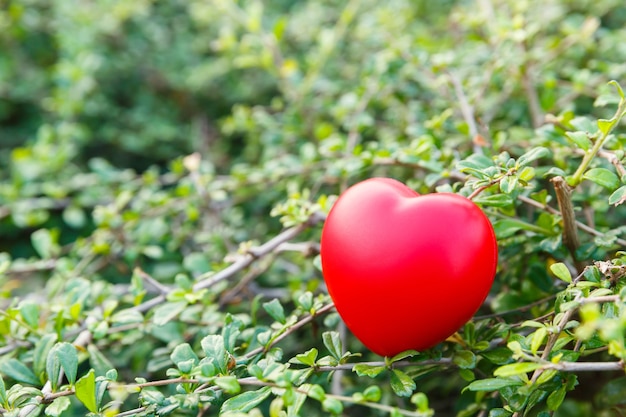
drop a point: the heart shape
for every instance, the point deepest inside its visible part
(405, 270)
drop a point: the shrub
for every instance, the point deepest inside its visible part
(168, 166)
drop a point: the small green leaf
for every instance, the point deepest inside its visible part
(3, 392)
(86, 391)
(401, 383)
(605, 125)
(367, 370)
(372, 394)
(68, 358)
(508, 184)
(182, 353)
(229, 384)
(561, 271)
(517, 368)
(618, 196)
(332, 405)
(57, 406)
(166, 312)
(40, 353)
(556, 398)
(617, 87)
(603, 177)
(537, 340)
(307, 358)
(580, 139)
(245, 402)
(275, 310)
(495, 200)
(403, 355)
(213, 347)
(465, 359)
(45, 243)
(100, 364)
(421, 401)
(53, 368)
(18, 371)
(493, 384)
(30, 313)
(332, 341)
(533, 155)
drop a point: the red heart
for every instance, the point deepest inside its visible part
(406, 271)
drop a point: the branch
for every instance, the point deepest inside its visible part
(580, 225)
(210, 279)
(570, 237)
(291, 329)
(586, 366)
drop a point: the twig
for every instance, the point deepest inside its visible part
(296, 326)
(580, 225)
(586, 366)
(209, 279)
(516, 310)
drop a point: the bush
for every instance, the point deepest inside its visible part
(167, 167)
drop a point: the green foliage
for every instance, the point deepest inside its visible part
(165, 168)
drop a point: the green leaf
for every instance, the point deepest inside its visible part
(213, 347)
(68, 358)
(401, 383)
(308, 357)
(495, 200)
(41, 352)
(100, 364)
(332, 341)
(556, 398)
(498, 356)
(166, 312)
(561, 271)
(372, 393)
(332, 405)
(85, 389)
(246, 401)
(275, 310)
(53, 368)
(403, 355)
(44, 242)
(617, 87)
(3, 392)
(465, 359)
(57, 406)
(18, 371)
(603, 177)
(517, 368)
(30, 313)
(580, 139)
(421, 401)
(537, 340)
(618, 196)
(367, 370)
(605, 125)
(493, 384)
(533, 155)
(183, 353)
(229, 384)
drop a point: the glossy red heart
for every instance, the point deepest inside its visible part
(406, 270)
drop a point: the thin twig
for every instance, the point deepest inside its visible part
(210, 279)
(306, 320)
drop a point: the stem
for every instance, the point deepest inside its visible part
(578, 175)
(570, 238)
